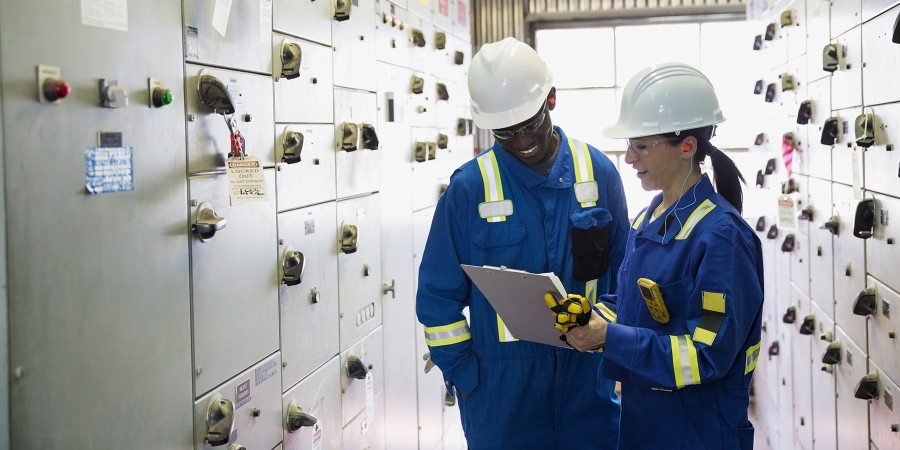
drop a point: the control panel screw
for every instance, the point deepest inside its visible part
(191, 117)
(284, 364)
(255, 412)
(199, 371)
(20, 373)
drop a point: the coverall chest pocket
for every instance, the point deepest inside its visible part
(498, 234)
(590, 243)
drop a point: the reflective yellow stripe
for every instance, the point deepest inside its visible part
(590, 291)
(752, 358)
(713, 316)
(694, 219)
(447, 334)
(584, 168)
(684, 361)
(493, 185)
(609, 314)
(637, 222)
(504, 334)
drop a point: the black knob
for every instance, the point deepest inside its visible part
(832, 354)
(866, 302)
(804, 114)
(790, 316)
(864, 223)
(761, 223)
(830, 131)
(760, 179)
(867, 388)
(774, 349)
(773, 232)
(788, 245)
(297, 419)
(806, 214)
(809, 325)
(833, 225)
(355, 368)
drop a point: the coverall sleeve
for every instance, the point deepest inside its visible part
(442, 294)
(728, 287)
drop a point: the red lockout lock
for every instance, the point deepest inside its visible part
(55, 89)
(237, 144)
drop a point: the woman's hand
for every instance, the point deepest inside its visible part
(588, 337)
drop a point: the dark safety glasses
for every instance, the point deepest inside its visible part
(528, 129)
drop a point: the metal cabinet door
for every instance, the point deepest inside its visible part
(354, 48)
(801, 140)
(772, 368)
(98, 286)
(782, 276)
(819, 156)
(882, 165)
(393, 96)
(797, 69)
(441, 11)
(460, 72)
(256, 396)
(370, 351)
(365, 432)
(884, 417)
(425, 174)
(882, 252)
(852, 413)
(462, 20)
(445, 110)
(421, 107)
(845, 14)
(821, 248)
(823, 389)
(883, 326)
(391, 41)
(881, 59)
(801, 366)
(849, 266)
(309, 310)
(775, 51)
(421, 8)
(359, 273)
(209, 140)
(785, 361)
(307, 19)
(769, 270)
(240, 41)
(818, 31)
(872, 8)
(357, 172)
(311, 180)
(234, 284)
(845, 150)
(442, 65)
(319, 395)
(846, 82)
(421, 59)
(800, 275)
(430, 386)
(801, 200)
(309, 97)
(796, 33)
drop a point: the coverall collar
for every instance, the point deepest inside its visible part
(562, 168)
(675, 219)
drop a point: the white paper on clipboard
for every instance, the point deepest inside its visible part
(519, 299)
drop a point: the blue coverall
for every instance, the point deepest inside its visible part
(685, 384)
(520, 395)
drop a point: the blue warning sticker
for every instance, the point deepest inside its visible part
(108, 169)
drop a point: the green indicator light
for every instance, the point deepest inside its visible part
(167, 97)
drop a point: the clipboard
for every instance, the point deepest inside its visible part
(518, 297)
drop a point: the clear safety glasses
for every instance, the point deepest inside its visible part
(528, 129)
(643, 147)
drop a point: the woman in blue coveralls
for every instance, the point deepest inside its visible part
(685, 368)
(539, 201)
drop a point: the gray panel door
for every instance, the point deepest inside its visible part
(359, 272)
(801, 365)
(240, 41)
(821, 249)
(234, 284)
(110, 325)
(308, 19)
(318, 395)
(255, 395)
(354, 47)
(357, 171)
(310, 180)
(849, 266)
(852, 413)
(309, 310)
(823, 390)
(309, 97)
(368, 351)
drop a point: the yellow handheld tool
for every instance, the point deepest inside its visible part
(654, 300)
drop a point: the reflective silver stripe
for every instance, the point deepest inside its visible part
(446, 334)
(694, 219)
(687, 371)
(752, 357)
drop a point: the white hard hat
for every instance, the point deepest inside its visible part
(666, 98)
(508, 84)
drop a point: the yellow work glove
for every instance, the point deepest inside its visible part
(569, 312)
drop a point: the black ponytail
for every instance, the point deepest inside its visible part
(726, 175)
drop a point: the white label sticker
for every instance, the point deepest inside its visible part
(220, 16)
(857, 176)
(192, 43)
(265, 21)
(112, 14)
(370, 399)
(317, 436)
(246, 180)
(787, 215)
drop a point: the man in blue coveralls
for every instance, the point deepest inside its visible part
(538, 201)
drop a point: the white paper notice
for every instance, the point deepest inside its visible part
(220, 16)
(265, 21)
(112, 14)
(317, 436)
(246, 180)
(857, 176)
(370, 399)
(787, 214)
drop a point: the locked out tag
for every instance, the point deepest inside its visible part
(370, 399)
(246, 180)
(317, 436)
(857, 176)
(787, 213)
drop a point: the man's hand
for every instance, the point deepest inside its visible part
(569, 312)
(589, 337)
